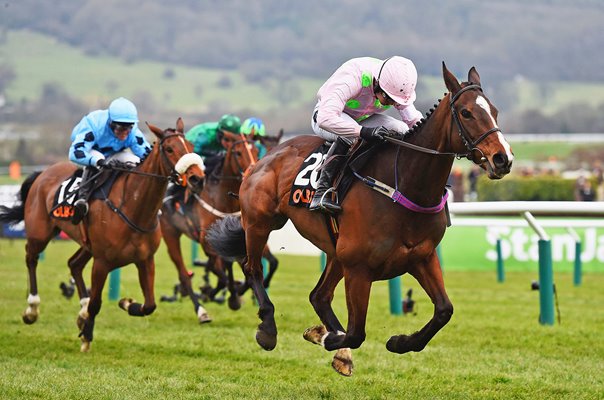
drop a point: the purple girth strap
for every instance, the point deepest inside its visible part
(398, 197)
(405, 202)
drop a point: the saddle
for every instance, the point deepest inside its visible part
(65, 196)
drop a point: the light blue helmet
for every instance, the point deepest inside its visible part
(122, 110)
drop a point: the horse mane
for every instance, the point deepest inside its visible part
(420, 124)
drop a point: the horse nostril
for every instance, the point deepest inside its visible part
(195, 181)
(500, 160)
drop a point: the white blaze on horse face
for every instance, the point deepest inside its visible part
(483, 103)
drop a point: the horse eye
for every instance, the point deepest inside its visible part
(466, 114)
(169, 150)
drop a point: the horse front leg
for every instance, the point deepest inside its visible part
(266, 334)
(172, 240)
(273, 263)
(357, 287)
(146, 279)
(321, 298)
(88, 313)
(429, 275)
(234, 300)
(76, 264)
(33, 248)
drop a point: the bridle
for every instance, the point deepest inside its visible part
(465, 137)
(240, 170)
(469, 143)
(174, 177)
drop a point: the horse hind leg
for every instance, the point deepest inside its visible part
(266, 334)
(33, 248)
(429, 276)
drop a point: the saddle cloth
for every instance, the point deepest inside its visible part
(307, 179)
(65, 196)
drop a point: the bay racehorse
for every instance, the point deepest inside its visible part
(393, 218)
(217, 200)
(120, 230)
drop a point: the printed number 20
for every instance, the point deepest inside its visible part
(310, 173)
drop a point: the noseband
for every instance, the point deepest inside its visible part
(174, 176)
(465, 137)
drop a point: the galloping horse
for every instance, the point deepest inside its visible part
(120, 230)
(214, 202)
(378, 238)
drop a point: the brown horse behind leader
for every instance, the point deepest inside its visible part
(378, 238)
(214, 202)
(121, 230)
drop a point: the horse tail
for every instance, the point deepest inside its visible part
(227, 237)
(15, 214)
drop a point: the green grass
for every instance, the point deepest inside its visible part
(492, 348)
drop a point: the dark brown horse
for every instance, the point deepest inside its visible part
(215, 202)
(121, 230)
(378, 238)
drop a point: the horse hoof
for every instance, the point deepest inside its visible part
(315, 334)
(401, 344)
(29, 319)
(85, 347)
(204, 318)
(125, 303)
(265, 340)
(342, 362)
(234, 303)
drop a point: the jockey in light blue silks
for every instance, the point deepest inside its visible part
(102, 136)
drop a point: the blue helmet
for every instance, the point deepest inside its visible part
(253, 126)
(122, 110)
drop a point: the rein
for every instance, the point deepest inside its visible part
(465, 137)
(173, 177)
(213, 210)
(395, 194)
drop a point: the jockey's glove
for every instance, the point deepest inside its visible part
(373, 134)
(102, 163)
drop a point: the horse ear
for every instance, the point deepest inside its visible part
(158, 132)
(180, 126)
(450, 80)
(473, 76)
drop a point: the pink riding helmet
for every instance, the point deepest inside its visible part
(397, 76)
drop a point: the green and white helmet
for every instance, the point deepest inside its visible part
(253, 126)
(230, 123)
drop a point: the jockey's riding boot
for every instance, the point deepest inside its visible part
(80, 207)
(335, 158)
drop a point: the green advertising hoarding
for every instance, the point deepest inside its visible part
(475, 248)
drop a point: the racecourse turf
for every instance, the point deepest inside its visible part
(493, 348)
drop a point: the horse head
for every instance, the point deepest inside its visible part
(475, 119)
(241, 153)
(270, 141)
(178, 159)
